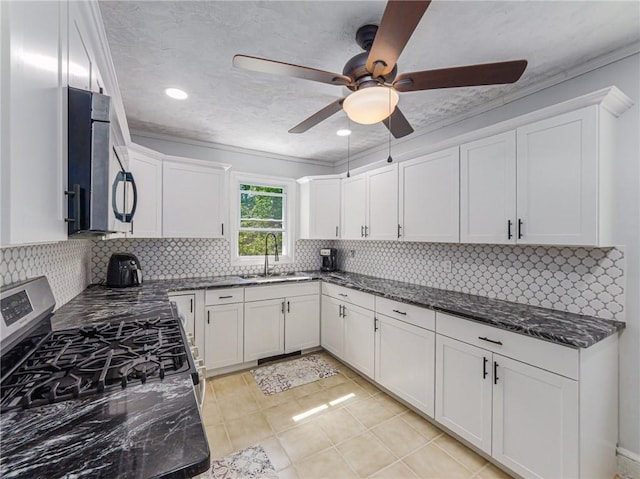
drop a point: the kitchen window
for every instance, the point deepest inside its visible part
(262, 206)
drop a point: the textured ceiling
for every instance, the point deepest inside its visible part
(190, 45)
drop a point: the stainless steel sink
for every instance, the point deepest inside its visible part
(277, 277)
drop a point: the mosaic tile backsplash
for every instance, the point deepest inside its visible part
(172, 258)
(66, 265)
(586, 281)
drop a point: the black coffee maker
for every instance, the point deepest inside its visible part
(329, 262)
(124, 271)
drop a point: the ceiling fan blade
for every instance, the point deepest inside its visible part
(399, 126)
(398, 22)
(287, 69)
(317, 117)
(472, 75)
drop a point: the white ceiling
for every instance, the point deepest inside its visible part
(190, 45)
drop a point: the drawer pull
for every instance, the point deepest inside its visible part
(225, 297)
(484, 367)
(484, 338)
(191, 305)
(340, 310)
(400, 312)
(495, 372)
(342, 294)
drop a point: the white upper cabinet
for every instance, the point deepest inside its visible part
(147, 172)
(320, 208)
(557, 180)
(33, 122)
(429, 197)
(354, 207)
(488, 190)
(192, 199)
(370, 204)
(382, 196)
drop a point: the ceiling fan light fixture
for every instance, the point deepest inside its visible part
(370, 105)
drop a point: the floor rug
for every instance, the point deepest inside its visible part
(249, 463)
(289, 374)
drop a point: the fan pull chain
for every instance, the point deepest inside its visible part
(389, 159)
(348, 147)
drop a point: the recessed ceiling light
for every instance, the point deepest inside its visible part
(343, 132)
(176, 93)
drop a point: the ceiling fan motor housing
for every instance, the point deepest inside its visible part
(356, 67)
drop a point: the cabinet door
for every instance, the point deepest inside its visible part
(405, 362)
(224, 335)
(332, 327)
(186, 308)
(263, 329)
(557, 179)
(192, 201)
(382, 198)
(463, 390)
(147, 172)
(429, 197)
(33, 126)
(79, 62)
(302, 323)
(354, 207)
(359, 338)
(488, 190)
(535, 420)
(324, 214)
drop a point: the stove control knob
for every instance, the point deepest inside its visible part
(194, 352)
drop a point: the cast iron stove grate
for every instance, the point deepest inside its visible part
(90, 360)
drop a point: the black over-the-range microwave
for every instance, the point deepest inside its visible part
(102, 195)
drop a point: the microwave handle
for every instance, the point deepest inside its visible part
(126, 177)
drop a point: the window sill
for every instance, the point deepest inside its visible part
(259, 261)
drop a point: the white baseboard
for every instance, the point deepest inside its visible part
(628, 464)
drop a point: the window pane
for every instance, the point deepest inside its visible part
(255, 206)
(268, 189)
(268, 224)
(252, 243)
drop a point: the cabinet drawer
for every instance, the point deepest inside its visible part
(543, 354)
(224, 296)
(282, 290)
(421, 317)
(364, 300)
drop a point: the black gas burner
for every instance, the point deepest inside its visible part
(89, 360)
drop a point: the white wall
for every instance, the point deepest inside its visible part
(625, 74)
(249, 161)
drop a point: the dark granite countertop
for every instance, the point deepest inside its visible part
(150, 300)
(149, 430)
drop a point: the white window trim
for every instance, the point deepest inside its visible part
(291, 211)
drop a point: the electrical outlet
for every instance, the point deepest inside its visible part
(446, 266)
(352, 253)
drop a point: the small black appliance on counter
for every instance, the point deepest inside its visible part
(124, 270)
(329, 261)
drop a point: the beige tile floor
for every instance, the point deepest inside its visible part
(356, 431)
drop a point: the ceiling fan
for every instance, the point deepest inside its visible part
(372, 75)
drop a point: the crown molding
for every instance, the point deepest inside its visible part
(233, 149)
(613, 104)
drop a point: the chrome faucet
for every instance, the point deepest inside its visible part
(266, 252)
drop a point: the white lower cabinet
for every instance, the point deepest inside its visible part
(302, 323)
(332, 326)
(404, 364)
(535, 420)
(359, 338)
(540, 409)
(280, 318)
(186, 308)
(224, 333)
(464, 390)
(264, 329)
